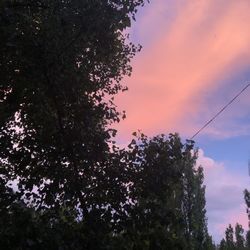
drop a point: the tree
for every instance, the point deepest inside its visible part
(155, 219)
(239, 236)
(247, 199)
(222, 245)
(229, 233)
(248, 239)
(160, 168)
(242, 242)
(60, 63)
(194, 208)
(209, 244)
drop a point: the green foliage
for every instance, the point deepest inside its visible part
(159, 172)
(229, 235)
(61, 64)
(239, 236)
(26, 228)
(157, 217)
(209, 244)
(168, 193)
(235, 239)
(223, 245)
(247, 200)
(248, 239)
(59, 61)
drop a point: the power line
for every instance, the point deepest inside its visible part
(220, 111)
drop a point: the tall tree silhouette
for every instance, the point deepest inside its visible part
(61, 64)
(229, 236)
(239, 237)
(168, 196)
(61, 61)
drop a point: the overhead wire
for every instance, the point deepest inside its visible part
(220, 111)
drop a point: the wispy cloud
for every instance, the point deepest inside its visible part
(192, 51)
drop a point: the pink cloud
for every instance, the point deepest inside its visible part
(224, 196)
(190, 49)
(191, 52)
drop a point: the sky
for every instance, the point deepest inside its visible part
(195, 59)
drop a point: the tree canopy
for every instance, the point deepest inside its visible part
(61, 63)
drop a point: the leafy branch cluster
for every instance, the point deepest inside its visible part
(235, 239)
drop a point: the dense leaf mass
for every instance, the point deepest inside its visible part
(167, 195)
(61, 61)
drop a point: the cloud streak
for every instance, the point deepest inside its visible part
(189, 56)
(193, 50)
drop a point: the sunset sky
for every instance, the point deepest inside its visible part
(195, 58)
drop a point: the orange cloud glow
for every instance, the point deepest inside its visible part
(202, 42)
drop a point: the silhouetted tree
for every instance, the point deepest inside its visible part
(247, 200)
(162, 171)
(222, 245)
(239, 237)
(61, 63)
(229, 236)
(248, 239)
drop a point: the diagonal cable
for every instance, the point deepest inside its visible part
(220, 111)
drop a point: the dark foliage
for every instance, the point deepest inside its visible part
(61, 64)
